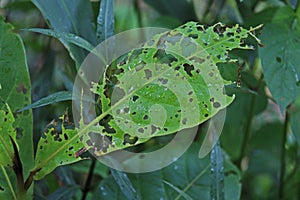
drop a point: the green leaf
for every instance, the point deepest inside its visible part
(7, 182)
(8, 133)
(73, 17)
(58, 147)
(124, 184)
(189, 174)
(15, 90)
(217, 172)
(263, 159)
(68, 37)
(177, 85)
(105, 20)
(52, 98)
(280, 57)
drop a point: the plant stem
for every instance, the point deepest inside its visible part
(248, 126)
(282, 158)
(88, 180)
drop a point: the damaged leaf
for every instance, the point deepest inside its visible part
(171, 83)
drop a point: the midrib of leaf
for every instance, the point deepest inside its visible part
(104, 114)
(193, 181)
(9, 183)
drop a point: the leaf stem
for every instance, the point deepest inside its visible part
(88, 180)
(282, 158)
(13, 194)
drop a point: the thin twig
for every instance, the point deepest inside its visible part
(282, 158)
(88, 182)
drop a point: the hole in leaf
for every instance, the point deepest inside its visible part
(195, 36)
(188, 68)
(135, 97)
(66, 137)
(278, 59)
(129, 139)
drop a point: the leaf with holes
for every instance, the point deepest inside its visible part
(58, 147)
(7, 133)
(171, 83)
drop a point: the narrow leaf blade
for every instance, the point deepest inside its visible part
(62, 16)
(68, 37)
(52, 98)
(105, 20)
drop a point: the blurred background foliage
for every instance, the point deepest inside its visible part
(254, 129)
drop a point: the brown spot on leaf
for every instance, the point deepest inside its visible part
(21, 88)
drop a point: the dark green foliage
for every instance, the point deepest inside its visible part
(257, 155)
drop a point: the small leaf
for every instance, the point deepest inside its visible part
(58, 147)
